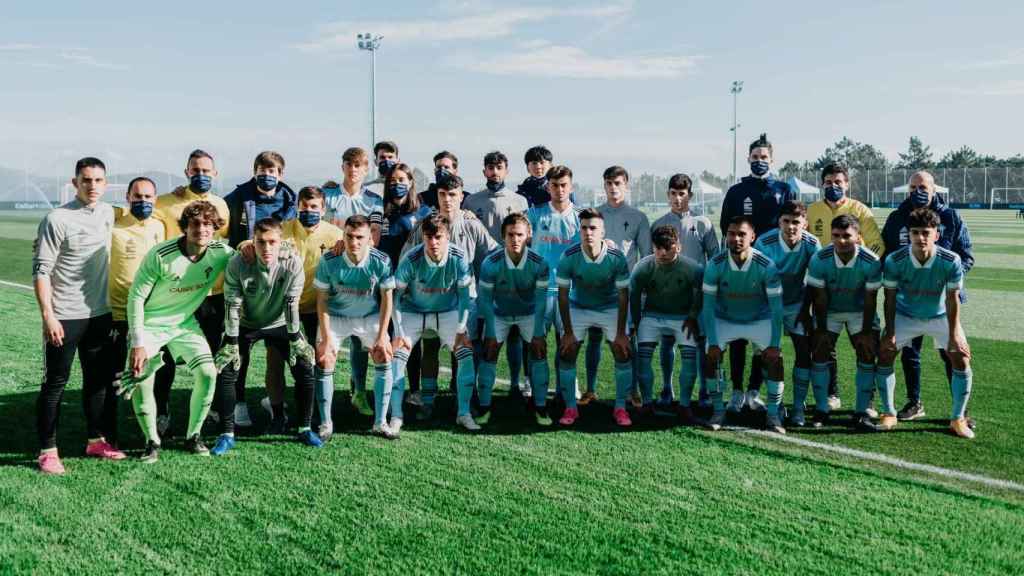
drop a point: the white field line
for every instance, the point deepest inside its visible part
(859, 454)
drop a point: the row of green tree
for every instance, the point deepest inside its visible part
(918, 156)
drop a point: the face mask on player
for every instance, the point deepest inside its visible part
(495, 185)
(141, 209)
(919, 197)
(759, 168)
(399, 190)
(309, 218)
(385, 166)
(266, 182)
(834, 193)
(200, 183)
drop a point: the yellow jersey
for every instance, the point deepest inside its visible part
(130, 240)
(168, 210)
(311, 245)
(819, 222)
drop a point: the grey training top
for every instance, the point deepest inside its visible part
(72, 251)
(491, 208)
(257, 297)
(629, 229)
(697, 235)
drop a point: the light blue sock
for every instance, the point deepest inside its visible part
(775, 390)
(324, 394)
(464, 382)
(540, 374)
(668, 360)
(591, 361)
(801, 382)
(716, 386)
(360, 361)
(382, 390)
(567, 381)
(486, 374)
(428, 389)
(398, 382)
(624, 381)
(865, 383)
(514, 356)
(645, 359)
(819, 381)
(885, 379)
(960, 386)
(687, 373)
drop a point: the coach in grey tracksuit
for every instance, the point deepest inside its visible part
(492, 204)
(629, 228)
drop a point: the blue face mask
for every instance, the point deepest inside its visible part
(441, 174)
(759, 168)
(266, 182)
(399, 190)
(386, 166)
(495, 185)
(834, 193)
(141, 209)
(919, 197)
(309, 218)
(200, 183)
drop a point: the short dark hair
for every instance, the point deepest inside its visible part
(450, 182)
(200, 209)
(613, 172)
(357, 221)
(761, 142)
(513, 219)
(665, 236)
(267, 225)
(310, 193)
(137, 180)
(742, 219)
(433, 225)
(923, 218)
(590, 214)
(495, 158)
(680, 182)
(844, 221)
(89, 162)
(835, 168)
(446, 154)
(793, 208)
(557, 172)
(196, 154)
(538, 154)
(385, 145)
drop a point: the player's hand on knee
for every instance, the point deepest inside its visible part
(714, 356)
(325, 354)
(621, 348)
(399, 342)
(382, 351)
(228, 355)
(248, 251)
(491, 348)
(539, 348)
(691, 328)
(300, 350)
(958, 345)
(772, 355)
(462, 341)
(567, 345)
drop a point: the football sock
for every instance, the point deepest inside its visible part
(960, 386)
(381, 391)
(645, 359)
(885, 379)
(398, 381)
(668, 360)
(514, 356)
(865, 381)
(775, 390)
(324, 394)
(486, 374)
(592, 360)
(539, 376)
(801, 382)
(202, 392)
(819, 379)
(624, 381)
(687, 373)
(567, 378)
(464, 383)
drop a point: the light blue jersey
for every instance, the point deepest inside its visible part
(427, 286)
(353, 288)
(508, 289)
(846, 284)
(791, 263)
(593, 284)
(921, 288)
(553, 233)
(339, 205)
(742, 293)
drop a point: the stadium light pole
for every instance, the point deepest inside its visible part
(371, 43)
(737, 87)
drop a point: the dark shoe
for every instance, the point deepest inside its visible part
(911, 411)
(152, 453)
(820, 419)
(195, 446)
(864, 424)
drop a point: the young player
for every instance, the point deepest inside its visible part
(69, 269)
(743, 300)
(261, 299)
(170, 286)
(534, 188)
(668, 286)
(844, 279)
(593, 292)
(354, 300)
(352, 197)
(265, 195)
(445, 164)
(432, 289)
(513, 293)
(385, 155)
(791, 249)
(922, 298)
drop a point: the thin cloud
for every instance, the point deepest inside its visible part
(1014, 58)
(56, 57)
(555, 61)
(1007, 88)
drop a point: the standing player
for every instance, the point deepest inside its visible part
(844, 279)
(169, 287)
(69, 270)
(534, 188)
(385, 155)
(432, 289)
(743, 300)
(352, 197)
(922, 298)
(446, 164)
(354, 300)
(593, 292)
(668, 285)
(791, 249)
(513, 294)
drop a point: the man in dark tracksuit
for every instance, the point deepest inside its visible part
(759, 196)
(953, 235)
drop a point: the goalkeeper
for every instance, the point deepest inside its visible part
(261, 302)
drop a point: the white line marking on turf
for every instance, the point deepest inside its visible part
(16, 285)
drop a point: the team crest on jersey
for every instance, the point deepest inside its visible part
(748, 206)
(819, 226)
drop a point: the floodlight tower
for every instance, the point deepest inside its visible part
(737, 87)
(371, 43)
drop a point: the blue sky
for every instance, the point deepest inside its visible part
(642, 84)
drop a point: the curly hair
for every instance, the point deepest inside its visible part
(200, 209)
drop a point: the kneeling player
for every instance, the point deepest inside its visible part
(669, 286)
(432, 289)
(169, 287)
(261, 302)
(513, 293)
(922, 297)
(593, 292)
(354, 292)
(844, 279)
(743, 301)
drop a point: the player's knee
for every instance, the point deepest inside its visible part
(206, 371)
(621, 355)
(959, 361)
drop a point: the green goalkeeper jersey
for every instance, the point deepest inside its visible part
(169, 286)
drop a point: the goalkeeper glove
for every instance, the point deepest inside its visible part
(228, 355)
(300, 350)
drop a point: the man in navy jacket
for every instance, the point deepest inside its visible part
(264, 196)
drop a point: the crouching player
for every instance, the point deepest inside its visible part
(261, 302)
(791, 248)
(432, 289)
(669, 286)
(593, 292)
(922, 297)
(169, 287)
(844, 279)
(743, 301)
(513, 292)
(353, 299)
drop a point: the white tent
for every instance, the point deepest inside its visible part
(701, 190)
(804, 189)
(903, 189)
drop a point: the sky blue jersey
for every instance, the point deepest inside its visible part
(846, 284)
(508, 289)
(593, 284)
(353, 288)
(553, 232)
(921, 288)
(742, 294)
(791, 263)
(427, 286)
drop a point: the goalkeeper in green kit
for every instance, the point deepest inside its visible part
(170, 285)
